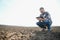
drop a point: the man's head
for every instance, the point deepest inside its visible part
(42, 10)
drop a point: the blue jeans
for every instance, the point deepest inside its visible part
(44, 23)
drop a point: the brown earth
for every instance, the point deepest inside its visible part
(28, 33)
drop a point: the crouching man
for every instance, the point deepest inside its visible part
(44, 20)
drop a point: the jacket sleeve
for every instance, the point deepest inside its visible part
(41, 16)
(48, 16)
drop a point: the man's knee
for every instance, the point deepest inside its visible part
(37, 23)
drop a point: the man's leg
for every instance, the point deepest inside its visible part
(42, 25)
(48, 24)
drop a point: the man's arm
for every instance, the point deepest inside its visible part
(40, 18)
(48, 16)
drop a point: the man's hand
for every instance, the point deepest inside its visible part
(40, 19)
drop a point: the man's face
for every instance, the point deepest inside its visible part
(42, 10)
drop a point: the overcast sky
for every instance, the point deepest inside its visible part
(23, 12)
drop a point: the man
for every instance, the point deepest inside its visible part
(44, 20)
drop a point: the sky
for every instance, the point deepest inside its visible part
(24, 12)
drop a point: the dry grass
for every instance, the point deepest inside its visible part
(24, 33)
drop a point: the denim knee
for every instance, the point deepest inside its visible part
(38, 23)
